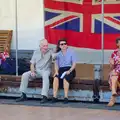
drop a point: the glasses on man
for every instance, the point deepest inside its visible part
(63, 44)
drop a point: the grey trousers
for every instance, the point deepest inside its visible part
(26, 77)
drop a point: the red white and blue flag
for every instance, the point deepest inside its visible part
(80, 22)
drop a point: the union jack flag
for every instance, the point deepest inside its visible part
(80, 22)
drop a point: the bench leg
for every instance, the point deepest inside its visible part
(96, 88)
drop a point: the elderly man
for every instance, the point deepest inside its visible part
(40, 67)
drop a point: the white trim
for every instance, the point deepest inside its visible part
(70, 1)
(105, 2)
(63, 15)
(62, 11)
(93, 25)
(59, 17)
(81, 23)
(114, 25)
(64, 22)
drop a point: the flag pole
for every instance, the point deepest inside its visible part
(102, 35)
(44, 16)
(16, 35)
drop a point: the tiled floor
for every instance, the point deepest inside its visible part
(23, 112)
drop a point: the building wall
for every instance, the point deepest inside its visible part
(30, 22)
(31, 29)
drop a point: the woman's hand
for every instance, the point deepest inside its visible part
(68, 72)
(56, 73)
(111, 61)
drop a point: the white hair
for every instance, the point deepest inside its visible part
(43, 41)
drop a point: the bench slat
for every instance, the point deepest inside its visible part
(5, 39)
(85, 71)
(106, 71)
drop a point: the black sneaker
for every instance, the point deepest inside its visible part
(65, 100)
(54, 100)
(44, 100)
(22, 98)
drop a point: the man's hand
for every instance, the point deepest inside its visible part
(33, 74)
(32, 68)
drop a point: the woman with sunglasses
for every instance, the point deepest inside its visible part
(64, 69)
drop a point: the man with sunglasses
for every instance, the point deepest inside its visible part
(40, 68)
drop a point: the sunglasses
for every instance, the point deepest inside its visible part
(63, 44)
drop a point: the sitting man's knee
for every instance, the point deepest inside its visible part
(25, 74)
(46, 74)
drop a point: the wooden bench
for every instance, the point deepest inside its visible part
(5, 40)
(84, 78)
(9, 85)
(84, 81)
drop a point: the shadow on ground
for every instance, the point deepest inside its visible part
(71, 104)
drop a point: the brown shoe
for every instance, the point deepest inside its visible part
(112, 101)
(114, 94)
